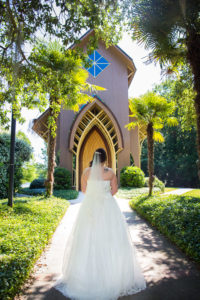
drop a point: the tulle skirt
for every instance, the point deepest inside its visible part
(100, 261)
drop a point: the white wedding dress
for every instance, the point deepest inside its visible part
(100, 261)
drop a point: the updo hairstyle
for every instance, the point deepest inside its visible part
(102, 155)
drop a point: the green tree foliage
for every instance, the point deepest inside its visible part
(29, 171)
(58, 76)
(175, 159)
(63, 19)
(171, 30)
(152, 111)
(42, 166)
(179, 88)
(22, 136)
(22, 153)
(23, 21)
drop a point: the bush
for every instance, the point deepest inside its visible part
(38, 183)
(63, 194)
(25, 231)
(32, 192)
(132, 177)
(66, 194)
(177, 217)
(22, 154)
(62, 179)
(157, 183)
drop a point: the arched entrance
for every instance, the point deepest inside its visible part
(94, 140)
(95, 127)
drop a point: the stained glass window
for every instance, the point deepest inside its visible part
(99, 63)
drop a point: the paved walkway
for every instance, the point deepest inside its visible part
(178, 191)
(169, 274)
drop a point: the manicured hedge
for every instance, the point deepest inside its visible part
(38, 183)
(178, 217)
(64, 194)
(25, 231)
(62, 179)
(132, 177)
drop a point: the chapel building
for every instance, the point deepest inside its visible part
(101, 123)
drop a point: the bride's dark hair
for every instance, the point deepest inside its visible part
(102, 155)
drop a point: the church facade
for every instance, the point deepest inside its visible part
(100, 123)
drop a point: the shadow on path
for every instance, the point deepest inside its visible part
(170, 275)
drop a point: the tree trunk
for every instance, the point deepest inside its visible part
(193, 56)
(51, 159)
(51, 165)
(150, 145)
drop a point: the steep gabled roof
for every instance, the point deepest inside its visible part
(131, 69)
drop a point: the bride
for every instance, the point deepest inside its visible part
(100, 261)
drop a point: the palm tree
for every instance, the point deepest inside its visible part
(171, 29)
(152, 112)
(58, 76)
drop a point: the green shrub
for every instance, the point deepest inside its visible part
(177, 217)
(22, 154)
(63, 194)
(62, 179)
(66, 194)
(38, 183)
(157, 183)
(132, 177)
(32, 192)
(25, 231)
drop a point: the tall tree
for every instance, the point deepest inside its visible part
(63, 19)
(152, 111)
(179, 88)
(174, 159)
(58, 76)
(171, 30)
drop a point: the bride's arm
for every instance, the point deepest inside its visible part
(84, 178)
(114, 185)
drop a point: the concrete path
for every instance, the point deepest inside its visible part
(179, 191)
(169, 274)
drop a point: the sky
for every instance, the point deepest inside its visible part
(145, 78)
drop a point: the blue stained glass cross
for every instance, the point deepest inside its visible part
(99, 63)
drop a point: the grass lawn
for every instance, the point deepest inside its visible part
(193, 193)
(129, 193)
(177, 217)
(24, 232)
(64, 194)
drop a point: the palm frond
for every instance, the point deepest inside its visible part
(158, 137)
(172, 121)
(131, 125)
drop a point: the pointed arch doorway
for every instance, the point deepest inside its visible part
(93, 140)
(94, 127)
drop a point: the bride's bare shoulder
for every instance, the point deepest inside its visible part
(86, 172)
(109, 171)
